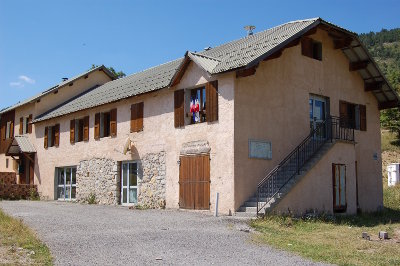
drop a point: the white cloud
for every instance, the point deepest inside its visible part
(27, 79)
(22, 80)
(16, 84)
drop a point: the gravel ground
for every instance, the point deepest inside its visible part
(80, 234)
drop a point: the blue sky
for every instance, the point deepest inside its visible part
(44, 41)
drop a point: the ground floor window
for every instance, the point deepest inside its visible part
(66, 183)
(129, 189)
(339, 187)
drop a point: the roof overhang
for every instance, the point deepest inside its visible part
(20, 145)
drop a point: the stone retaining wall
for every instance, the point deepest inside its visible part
(153, 180)
(98, 176)
(18, 191)
(8, 178)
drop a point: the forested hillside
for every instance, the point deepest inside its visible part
(384, 46)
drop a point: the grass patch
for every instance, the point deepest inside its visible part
(335, 240)
(389, 141)
(19, 244)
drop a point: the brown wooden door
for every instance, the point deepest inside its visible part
(194, 182)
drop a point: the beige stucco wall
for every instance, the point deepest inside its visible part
(314, 190)
(158, 135)
(273, 105)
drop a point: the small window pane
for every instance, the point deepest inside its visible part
(61, 176)
(67, 192)
(60, 192)
(74, 176)
(133, 195)
(124, 174)
(73, 193)
(133, 174)
(124, 198)
(68, 176)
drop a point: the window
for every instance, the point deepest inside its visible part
(66, 183)
(105, 124)
(137, 117)
(353, 115)
(311, 48)
(7, 163)
(339, 187)
(196, 109)
(79, 130)
(25, 126)
(198, 105)
(52, 136)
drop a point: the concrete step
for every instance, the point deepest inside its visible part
(247, 209)
(245, 214)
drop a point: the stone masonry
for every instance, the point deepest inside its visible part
(98, 176)
(152, 181)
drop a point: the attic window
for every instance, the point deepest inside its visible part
(311, 48)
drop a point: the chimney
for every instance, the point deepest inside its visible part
(249, 29)
(64, 79)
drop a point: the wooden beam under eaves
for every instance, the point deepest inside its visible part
(342, 43)
(246, 72)
(388, 105)
(358, 65)
(372, 86)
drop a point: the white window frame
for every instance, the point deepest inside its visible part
(64, 186)
(127, 183)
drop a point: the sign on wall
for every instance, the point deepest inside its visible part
(259, 149)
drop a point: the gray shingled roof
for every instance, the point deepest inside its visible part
(21, 144)
(56, 87)
(242, 53)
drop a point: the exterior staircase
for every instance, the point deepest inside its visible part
(277, 184)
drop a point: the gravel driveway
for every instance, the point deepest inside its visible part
(80, 234)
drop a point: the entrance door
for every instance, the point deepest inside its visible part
(317, 113)
(129, 183)
(194, 182)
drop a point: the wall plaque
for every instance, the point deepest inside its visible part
(260, 149)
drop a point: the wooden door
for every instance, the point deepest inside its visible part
(194, 182)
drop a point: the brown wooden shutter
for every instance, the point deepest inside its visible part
(72, 131)
(113, 122)
(57, 135)
(363, 118)
(86, 128)
(30, 124)
(307, 47)
(97, 126)
(21, 125)
(46, 137)
(212, 101)
(12, 129)
(179, 108)
(137, 117)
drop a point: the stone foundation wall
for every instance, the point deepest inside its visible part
(153, 180)
(98, 176)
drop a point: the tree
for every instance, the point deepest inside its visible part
(118, 74)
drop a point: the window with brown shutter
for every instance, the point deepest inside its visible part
(72, 131)
(212, 101)
(21, 125)
(30, 124)
(311, 48)
(46, 137)
(179, 111)
(113, 122)
(353, 115)
(97, 126)
(57, 135)
(86, 128)
(137, 117)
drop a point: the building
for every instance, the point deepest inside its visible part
(284, 120)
